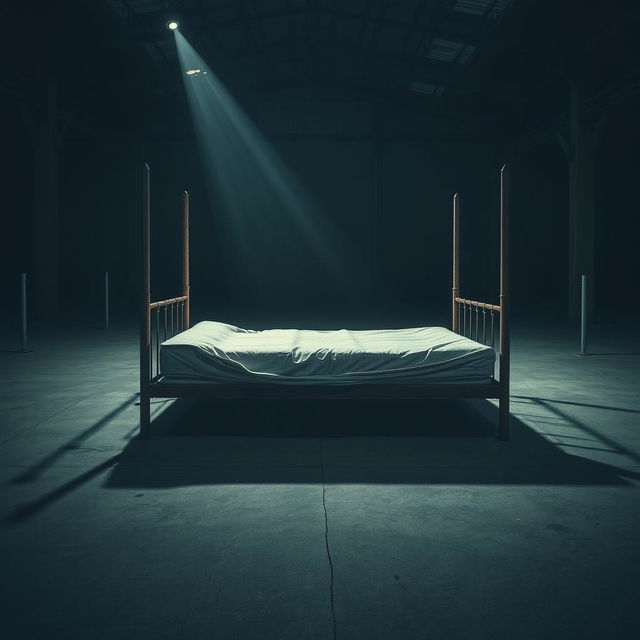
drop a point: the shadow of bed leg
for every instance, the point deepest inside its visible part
(145, 416)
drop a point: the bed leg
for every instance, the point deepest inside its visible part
(503, 420)
(145, 416)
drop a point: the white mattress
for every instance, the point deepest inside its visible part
(221, 353)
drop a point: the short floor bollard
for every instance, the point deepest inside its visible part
(23, 313)
(583, 316)
(106, 299)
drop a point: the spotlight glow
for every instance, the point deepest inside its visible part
(173, 25)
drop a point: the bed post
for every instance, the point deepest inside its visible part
(185, 257)
(505, 350)
(455, 290)
(145, 311)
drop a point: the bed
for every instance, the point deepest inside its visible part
(220, 353)
(219, 360)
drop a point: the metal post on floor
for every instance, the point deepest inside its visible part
(23, 313)
(583, 316)
(106, 299)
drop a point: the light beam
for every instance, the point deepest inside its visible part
(279, 233)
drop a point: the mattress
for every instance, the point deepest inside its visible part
(215, 352)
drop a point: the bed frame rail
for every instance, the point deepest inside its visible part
(477, 320)
(471, 318)
(162, 319)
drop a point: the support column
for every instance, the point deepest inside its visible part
(47, 231)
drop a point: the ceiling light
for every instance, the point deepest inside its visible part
(173, 25)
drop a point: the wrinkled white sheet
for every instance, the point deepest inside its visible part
(222, 353)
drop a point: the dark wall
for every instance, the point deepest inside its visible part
(97, 224)
(16, 187)
(387, 190)
(101, 196)
(385, 177)
(618, 212)
(540, 230)
(540, 205)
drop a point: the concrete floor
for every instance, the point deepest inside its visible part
(274, 520)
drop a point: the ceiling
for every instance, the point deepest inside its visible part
(503, 61)
(425, 46)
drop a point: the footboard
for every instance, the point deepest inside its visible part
(477, 320)
(162, 319)
(167, 319)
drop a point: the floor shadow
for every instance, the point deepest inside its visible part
(611, 445)
(575, 404)
(28, 509)
(200, 442)
(34, 471)
(434, 442)
(289, 418)
(618, 353)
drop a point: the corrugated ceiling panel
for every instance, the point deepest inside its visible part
(493, 9)
(445, 50)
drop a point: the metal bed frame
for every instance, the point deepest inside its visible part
(470, 318)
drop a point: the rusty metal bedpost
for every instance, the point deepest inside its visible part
(455, 290)
(145, 312)
(185, 257)
(505, 348)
